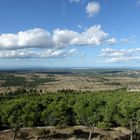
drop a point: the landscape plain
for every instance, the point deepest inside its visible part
(53, 80)
(67, 103)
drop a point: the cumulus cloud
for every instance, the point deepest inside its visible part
(33, 38)
(124, 55)
(41, 43)
(93, 36)
(92, 8)
(24, 53)
(41, 38)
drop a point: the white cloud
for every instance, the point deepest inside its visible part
(41, 38)
(16, 54)
(92, 8)
(24, 53)
(111, 41)
(128, 40)
(33, 38)
(73, 51)
(63, 38)
(40, 43)
(122, 59)
(123, 55)
(109, 52)
(52, 54)
(93, 36)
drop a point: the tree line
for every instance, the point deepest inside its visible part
(68, 108)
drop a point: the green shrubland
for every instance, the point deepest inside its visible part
(68, 108)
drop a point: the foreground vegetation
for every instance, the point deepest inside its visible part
(68, 108)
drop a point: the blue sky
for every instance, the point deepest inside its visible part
(70, 33)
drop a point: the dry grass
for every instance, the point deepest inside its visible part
(78, 82)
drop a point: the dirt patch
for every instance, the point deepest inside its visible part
(70, 133)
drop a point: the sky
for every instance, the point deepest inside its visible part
(69, 33)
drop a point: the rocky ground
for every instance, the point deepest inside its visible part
(71, 133)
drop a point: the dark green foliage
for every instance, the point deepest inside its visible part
(11, 80)
(68, 108)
